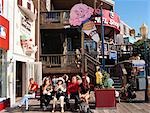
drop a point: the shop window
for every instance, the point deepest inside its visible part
(19, 2)
(28, 5)
(3, 76)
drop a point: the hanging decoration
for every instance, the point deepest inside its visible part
(80, 15)
(27, 45)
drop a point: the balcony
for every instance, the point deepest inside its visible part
(56, 19)
(59, 63)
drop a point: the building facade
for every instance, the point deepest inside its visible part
(59, 40)
(20, 62)
(4, 46)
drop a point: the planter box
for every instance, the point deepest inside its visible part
(105, 98)
(4, 104)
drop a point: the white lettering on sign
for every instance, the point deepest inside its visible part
(97, 20)
(26, 24)
(113, 23)
(106, 21)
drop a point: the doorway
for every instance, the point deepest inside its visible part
(19, 75)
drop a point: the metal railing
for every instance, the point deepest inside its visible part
(57, 60)
(55, 16)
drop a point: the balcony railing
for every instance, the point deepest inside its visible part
(56, 16)
(57, 60)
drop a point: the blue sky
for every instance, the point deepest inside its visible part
(134, 12)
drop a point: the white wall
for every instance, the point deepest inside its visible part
(15, 52)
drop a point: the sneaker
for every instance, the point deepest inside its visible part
(53, 111)
(19, 105)
(27, 109)
(44, 108)
(62, 110)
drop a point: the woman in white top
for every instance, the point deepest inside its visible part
(46, 93)
(60, 90)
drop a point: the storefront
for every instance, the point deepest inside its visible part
(111, 22)
(4, 46)
(21, 58)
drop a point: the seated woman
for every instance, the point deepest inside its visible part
(46, 93)
(60, 90)
(84, 89)
(33, 86)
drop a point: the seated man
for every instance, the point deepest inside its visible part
(33, 86)
(72, 91)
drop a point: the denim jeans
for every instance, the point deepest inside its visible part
(25, 99)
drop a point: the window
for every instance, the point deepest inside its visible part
(125, 30)
(19, 2)
(28, 5)
(3, 70)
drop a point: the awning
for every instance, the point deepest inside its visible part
(28, 13)
(137, 63)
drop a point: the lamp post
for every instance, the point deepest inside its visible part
(102, 37)
(144, 33)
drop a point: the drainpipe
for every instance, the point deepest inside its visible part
(38, 33)
(82, 51)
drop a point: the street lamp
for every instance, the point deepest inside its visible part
(144, 34)
(102, 37)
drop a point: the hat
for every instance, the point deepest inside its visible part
(60, 79)
(78, 77)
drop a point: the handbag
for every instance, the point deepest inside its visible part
(31, 92)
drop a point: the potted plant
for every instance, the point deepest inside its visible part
(105, 96)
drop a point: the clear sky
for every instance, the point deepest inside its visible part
(134, 12)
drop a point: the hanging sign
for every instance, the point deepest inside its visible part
(4, 33)
(110, 19)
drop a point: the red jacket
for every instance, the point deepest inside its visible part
(34, 85)
(72, 88)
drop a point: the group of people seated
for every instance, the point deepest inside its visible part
(59, 88)
(62, 89)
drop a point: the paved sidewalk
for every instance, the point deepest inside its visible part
(121, 108)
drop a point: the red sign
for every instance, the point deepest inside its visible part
(110, 19)
(4, 33)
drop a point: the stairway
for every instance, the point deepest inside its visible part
(117, 82)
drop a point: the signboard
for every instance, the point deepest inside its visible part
(26, 40)
(4, 33)
(99, 49)
(137, 63)
(110, 19)
(113, 55)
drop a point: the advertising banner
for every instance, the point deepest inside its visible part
(4, 33)
(110, 19)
